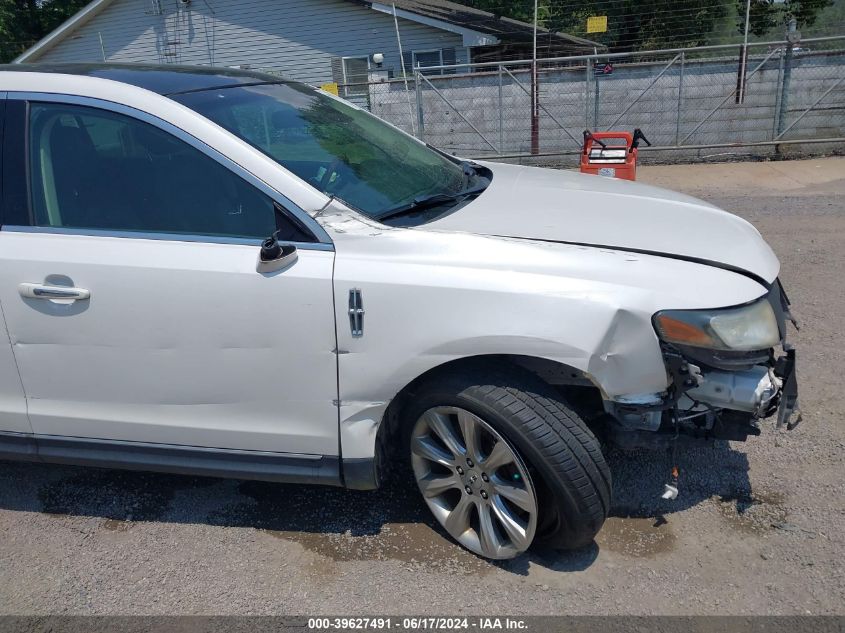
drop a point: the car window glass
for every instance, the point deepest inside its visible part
(338, 149)
(95, 169)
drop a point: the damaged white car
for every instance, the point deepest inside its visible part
(220, 273)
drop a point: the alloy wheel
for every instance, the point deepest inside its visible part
(474, 482)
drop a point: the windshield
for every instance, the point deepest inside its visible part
(341, 150)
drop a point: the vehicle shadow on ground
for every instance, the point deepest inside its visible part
(390, 523)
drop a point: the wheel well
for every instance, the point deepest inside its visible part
(573, 384)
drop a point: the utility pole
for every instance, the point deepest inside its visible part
(793, 36)
(535, 94)
(743, 58)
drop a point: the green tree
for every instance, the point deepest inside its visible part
(768, 16)
(632, 24)
(24, 22)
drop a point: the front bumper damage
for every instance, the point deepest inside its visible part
(708, 404)
(712, 397)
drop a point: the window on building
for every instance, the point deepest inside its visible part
(426, 59)
(356, 75)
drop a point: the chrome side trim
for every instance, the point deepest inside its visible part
(166, 237)
(312, 225)
(356, 312)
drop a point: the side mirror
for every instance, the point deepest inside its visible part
(274, 256)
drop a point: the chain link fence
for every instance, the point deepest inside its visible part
(684, 100)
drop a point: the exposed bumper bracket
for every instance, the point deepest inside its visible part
(789, 414)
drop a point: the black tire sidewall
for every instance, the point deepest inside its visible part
(557, 504)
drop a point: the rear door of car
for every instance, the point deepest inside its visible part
(129, 285)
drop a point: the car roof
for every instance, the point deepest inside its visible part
(165, 80)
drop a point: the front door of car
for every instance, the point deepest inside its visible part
(129, 285)
(14, 424)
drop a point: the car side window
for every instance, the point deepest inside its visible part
(96, 169)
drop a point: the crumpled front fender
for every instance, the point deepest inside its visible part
(431, 298)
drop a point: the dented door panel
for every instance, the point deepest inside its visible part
(13, 417)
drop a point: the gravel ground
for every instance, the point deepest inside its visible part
(757, 529)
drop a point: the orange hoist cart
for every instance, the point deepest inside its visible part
(612, 154)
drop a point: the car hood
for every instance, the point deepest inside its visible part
(563, 206)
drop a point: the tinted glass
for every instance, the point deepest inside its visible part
(339, 149)
(95, 169)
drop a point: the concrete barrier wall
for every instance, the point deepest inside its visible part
(500, 109)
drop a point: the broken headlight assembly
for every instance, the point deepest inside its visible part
(724, 358)
(747, 328)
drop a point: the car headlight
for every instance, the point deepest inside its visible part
(749, 327)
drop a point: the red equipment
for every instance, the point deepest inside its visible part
(617, 159)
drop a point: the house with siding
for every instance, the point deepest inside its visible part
(315, 41)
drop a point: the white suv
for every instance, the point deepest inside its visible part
(222, 273)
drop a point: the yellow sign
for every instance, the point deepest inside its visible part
(597, 24)
(332, 87)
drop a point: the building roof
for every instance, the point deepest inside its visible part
(443, 14)
(505, 29)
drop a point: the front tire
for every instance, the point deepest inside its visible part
(502, 461)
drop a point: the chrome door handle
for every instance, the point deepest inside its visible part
(40, 291)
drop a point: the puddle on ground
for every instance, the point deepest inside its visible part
(116, 525)
(341, 525)
(115, 493)
(405, 542)
(637, 537)
(752, 513)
